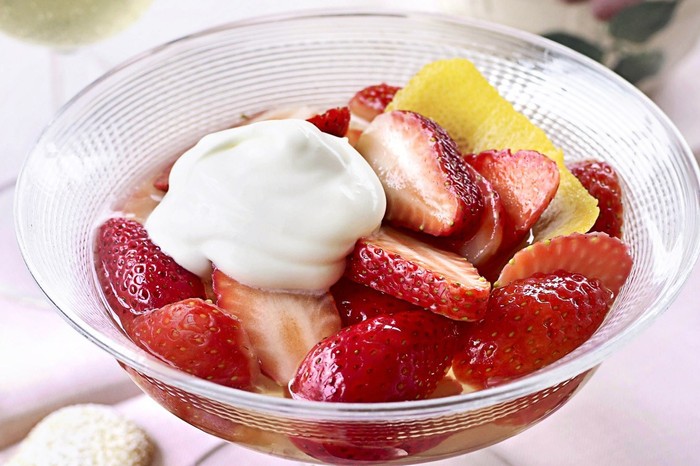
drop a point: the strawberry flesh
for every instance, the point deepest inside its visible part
(428, 185)
(200, 339)
(334, 121)
(357, 303)
(162, 181)
(526, 182)
(136, 276)
(385, 443)
(530, 323)
(408, 269)
(485, 243)
(282, 326)
(372, 100)
(387, 358)
(601, 181)
(594, 255)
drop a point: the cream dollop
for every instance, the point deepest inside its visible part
(273, 204)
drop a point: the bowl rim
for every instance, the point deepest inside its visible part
(300, 409)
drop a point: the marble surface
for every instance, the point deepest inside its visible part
(637, 410)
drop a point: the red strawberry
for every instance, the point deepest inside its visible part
(408, 269)
(357, 303)
(335, 121)
(537, 406)
(387, 358)
(372, 100)
(594, 255)
(601, 182)
(428, 185)
(357, 127)
(282, 326)
(135, 275)
(484, 244)
(530, 323)
(525, 181)
(199, 338)
(162, 181)
(382, 442)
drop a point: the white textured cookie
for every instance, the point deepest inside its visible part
(85, 435)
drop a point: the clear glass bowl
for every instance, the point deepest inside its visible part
(130, 122)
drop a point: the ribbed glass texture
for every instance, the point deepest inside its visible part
(131, 121)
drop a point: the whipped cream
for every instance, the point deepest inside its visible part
(273, 204)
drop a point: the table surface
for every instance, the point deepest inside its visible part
(639, 408)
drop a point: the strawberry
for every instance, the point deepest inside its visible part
(428, 185)
(525, 181)
(377, 442)
(408, 269)
(537, 406)
(530, 323)
(372, 100)
(198, 338)
(387, 358)
(162, 181)
(594, 255)
(334, 121)
(355, 130)
(485, 243)
(601, 182)
(282, 326)
(357, 303)
(135, 275)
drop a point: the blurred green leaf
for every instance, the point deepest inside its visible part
(577, 43)
(636, 67)
(638, 23)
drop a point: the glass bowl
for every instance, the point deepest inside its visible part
(133, 120)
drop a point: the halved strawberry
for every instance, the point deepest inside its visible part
(601, 182)
(198, 338)
(530, 323)
(526, 182)
(594, 255)
(427, 183)
(135, 275)
(408, 269)
(282, 326)
(485, 243)
(376, 442)
(372, 100)
(334, 121)
(162, 180)
(387, 358)
(357, 303)
(355, 130)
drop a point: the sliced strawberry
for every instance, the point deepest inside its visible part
(198, 338)
(387, 358)
(378, 442)
(484, 244)
(334, 121)
(372, 100)
(601, 182)
(526, 182)
(537, 406)
(427, 183)
(594, 255)
(530, 323)
(135, 275)
(357, 303)
(162, 181)
(408, 269)
(357, 127)
(282, 326)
